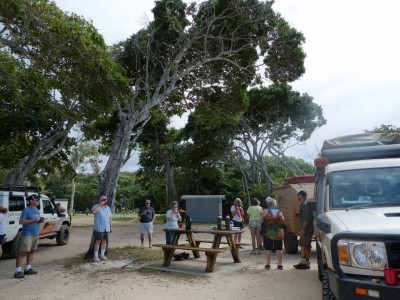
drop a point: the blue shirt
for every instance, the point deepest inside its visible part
(32, 228)
(102, 219)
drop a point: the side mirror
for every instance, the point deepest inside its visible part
(323, 224)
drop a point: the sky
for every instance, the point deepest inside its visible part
(352, 63)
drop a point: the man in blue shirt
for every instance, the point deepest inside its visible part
(101, 228)
(30, 221)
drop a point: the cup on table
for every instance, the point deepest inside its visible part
(391, 276)
(180, 225)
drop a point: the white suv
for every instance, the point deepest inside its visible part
(55, 224)
(357, 227)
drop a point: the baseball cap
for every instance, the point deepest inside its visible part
(103, 198)
(33, 197)
(302, 193)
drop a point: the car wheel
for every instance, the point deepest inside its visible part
(63, 235)
(291, 243)
(327, 293)
(14, 245)
(319, 262)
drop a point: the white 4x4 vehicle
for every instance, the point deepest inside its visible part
(357, 227)
(55, 224)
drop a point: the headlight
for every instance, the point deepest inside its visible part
(362, 254)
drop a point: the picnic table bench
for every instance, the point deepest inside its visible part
(211, 253)
(194, 245)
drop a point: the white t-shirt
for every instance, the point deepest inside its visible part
(236, 217)
(3, 223)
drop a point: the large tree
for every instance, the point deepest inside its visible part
(56, 72)
(277, 118)
(190, 47)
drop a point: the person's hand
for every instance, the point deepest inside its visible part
(37, 219)
(302, 233)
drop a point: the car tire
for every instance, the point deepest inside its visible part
(291, 243)
(63, 235)
(327, 293)
(14, 245)
(319, 262)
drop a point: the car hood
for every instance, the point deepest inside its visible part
(371, 220)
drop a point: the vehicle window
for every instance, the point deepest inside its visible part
(47, 208)
(364, 187)
(16, 203)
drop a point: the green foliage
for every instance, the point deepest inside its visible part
(384, 129)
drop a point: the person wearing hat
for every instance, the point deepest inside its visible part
(101, 228)
(306, 231)
(30, 220)
(237, 218)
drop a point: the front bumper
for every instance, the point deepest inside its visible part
(345, 288)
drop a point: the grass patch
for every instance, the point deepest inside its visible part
(140, 255)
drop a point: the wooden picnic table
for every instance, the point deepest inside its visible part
(194, 245)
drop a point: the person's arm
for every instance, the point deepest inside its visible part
(96, 208)
(24, 221)
(281, 217)
(262, 216)
(154, 215)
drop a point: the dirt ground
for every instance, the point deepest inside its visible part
(122, 280)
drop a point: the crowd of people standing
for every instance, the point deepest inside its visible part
(265, 222)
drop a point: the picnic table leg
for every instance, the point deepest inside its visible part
(234, 249)
(211, 259)
(168, 254)
(193, 243)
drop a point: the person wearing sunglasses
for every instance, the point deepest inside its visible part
(147, 215)
(30, 220)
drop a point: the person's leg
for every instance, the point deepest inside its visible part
(29, 259)
(259, 239)
(279, 253)
(142, 233)
(18, 260)
(149, 236)
(96, 247)
(142, 238)
(268, 252)
(168, 238)
(253, 238)
(103, 247)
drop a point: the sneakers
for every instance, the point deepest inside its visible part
(103, 258)
(96, 259)
(30, 272)
(301, 266)
(280, 267)
(19, 275)
(267, 266)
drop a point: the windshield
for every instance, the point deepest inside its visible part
(364, 188)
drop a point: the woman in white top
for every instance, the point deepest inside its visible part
(238, 218)
(172, 217)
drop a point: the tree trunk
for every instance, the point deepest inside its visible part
(71, 205)
(43, 150)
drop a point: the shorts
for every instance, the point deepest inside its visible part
(98, 236)
(255, 224)
(146, 228)
(238, 224)
(272, 244)
(305, 241)
(2, 239)
(28, 243)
